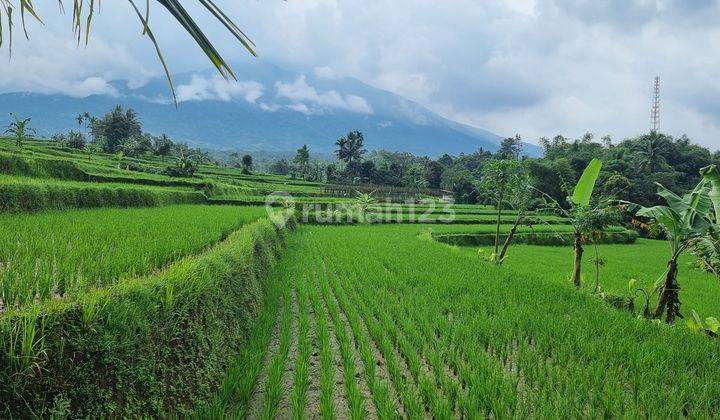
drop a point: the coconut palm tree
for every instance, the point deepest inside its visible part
(82, 15)
(350, 147)
(652, 151)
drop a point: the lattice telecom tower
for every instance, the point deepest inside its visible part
(655, 110)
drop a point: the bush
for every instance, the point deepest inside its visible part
(75, 140)
(184, 167)
(146, 347)
(37, 197)
(41, 168)
(545, 238)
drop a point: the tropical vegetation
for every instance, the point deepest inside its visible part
(122, 266)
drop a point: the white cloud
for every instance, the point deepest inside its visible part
(507, 66)
(324, 72)
(384, 124)
(300, 91)
(217, 88)
(299, 107)
(92, 86)
(414, 113)
(414, 86)
(269, 107)
(55, 65)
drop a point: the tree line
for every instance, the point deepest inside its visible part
(631, 166)
(120, 133)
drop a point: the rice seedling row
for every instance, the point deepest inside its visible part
(274, 387)
(301, 379)
(235, 393)
(355, 400)
(431, 330)
(383, 406)
(328, 356)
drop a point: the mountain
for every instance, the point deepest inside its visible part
(267, 109)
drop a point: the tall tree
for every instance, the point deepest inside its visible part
(510, 148)
(351, 150)
(501, 179)
(302, 160)
(280, 167)
(653, 150)
(115, 127)
(434, 174)
(163, 145)
(461, 182)
(520, 200)
(247, 164)
(351, 147)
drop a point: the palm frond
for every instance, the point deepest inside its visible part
(83, 12)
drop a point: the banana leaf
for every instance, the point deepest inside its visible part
(584, 188)
(712, 175)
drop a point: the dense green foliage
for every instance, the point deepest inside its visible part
(631, 167)
(142, 312)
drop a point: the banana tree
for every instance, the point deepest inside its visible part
(581, 214)
(707, 249)
(684, 220)
(584, 217)
(363, 202)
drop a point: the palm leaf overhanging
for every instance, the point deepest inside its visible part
(83, 12)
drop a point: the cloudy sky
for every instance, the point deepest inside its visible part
(533, 67)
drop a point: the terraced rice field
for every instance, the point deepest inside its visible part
(209, 311)
(375, 321)
(65, 252)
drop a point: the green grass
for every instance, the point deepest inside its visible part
(25, 180)
(274, 388)
(58, 253)
(645, 261)
(462, 337)
(301, 380)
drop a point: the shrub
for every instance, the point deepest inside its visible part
(184, 167)
(547, 239)
(75, 140)
(37, 197)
